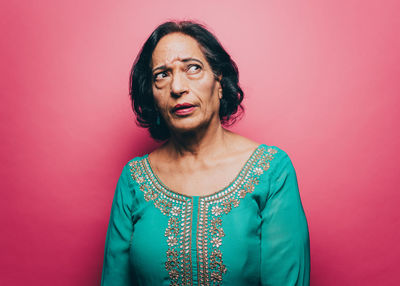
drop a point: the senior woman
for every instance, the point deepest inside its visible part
(208, 207)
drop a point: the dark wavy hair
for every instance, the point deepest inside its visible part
(141, 78)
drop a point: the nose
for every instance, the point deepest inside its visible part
(178, 84)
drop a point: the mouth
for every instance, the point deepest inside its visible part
(183, 109)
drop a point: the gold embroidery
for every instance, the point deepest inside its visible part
(213, 208)
(217, 264)
(211, 211)
(178, 231)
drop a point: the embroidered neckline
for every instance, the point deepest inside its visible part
(237, 178)
(211, 210)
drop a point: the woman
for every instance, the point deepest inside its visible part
(209, 207)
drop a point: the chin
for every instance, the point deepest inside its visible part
(186, 125)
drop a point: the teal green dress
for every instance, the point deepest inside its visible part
(253, 232)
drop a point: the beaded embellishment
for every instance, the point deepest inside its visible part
(212, 209)
(178, 232)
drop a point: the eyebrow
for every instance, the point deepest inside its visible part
(183, 60)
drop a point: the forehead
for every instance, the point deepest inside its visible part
(176, 46)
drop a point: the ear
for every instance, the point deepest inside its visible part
(220, 92)
(218, 79)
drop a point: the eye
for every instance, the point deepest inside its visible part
(193, 68)
(160, 75)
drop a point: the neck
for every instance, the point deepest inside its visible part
(203, 142)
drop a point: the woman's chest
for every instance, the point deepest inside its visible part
(197, 242)
(199, 181)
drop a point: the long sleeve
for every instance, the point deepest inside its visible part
(116, 270)
(285, 246)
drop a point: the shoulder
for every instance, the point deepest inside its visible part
(271, 150)
(272, 156)
(281, 174)
(278, 158)
(135, 160)
(127, 182)
(132, 165)
(277, 152)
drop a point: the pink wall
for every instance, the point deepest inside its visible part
(321, 80)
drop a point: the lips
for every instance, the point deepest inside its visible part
(183, 109)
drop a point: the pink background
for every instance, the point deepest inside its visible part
(321, 80)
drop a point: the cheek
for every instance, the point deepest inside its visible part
(206, 87)
(209, 97)
(156, 92)
(158, 97)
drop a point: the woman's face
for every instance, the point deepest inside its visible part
(184, 87)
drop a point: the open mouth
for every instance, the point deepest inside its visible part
(183, 109)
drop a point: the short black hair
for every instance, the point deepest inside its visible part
(141, 78)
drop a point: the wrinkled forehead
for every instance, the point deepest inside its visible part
(176, 47)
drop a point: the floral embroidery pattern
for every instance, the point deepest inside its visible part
(178, 231)
(211, 211)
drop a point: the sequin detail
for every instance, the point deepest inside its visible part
(178, 232)
(211, 211)
(213, 208)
